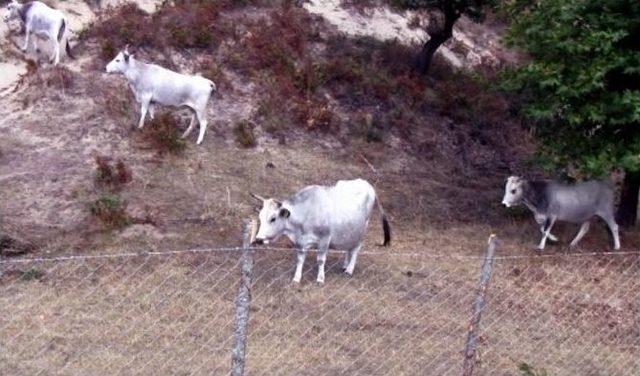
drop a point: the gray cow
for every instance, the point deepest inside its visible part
(323, 217)
(550, 201)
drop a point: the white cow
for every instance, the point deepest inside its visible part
(40, 20)
(323, 217)
(152, 84)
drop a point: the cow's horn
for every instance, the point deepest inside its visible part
(258, 197)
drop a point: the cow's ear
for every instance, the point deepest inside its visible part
(284, 213)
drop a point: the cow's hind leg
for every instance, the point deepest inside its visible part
(613, 226)
(192, 123)
(581, 233)
(202, 120)
(301, 254)
(352, 262)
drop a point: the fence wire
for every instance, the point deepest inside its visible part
(400, 314)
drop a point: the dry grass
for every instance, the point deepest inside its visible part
(397, 315)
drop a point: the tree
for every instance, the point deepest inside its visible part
(581, 87)
(451, 10)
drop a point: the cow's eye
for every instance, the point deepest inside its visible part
(272, 220)
(513, 191)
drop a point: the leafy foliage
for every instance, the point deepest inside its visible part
(582, 87)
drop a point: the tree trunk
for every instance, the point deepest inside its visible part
(422, 62)
(628, 207)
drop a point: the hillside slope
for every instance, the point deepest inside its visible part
(437, 160)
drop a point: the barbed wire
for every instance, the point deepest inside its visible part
(425, 254)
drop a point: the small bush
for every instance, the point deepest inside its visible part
(31, 274)
(110, 177)
(527, 370)
(244, 134)
(111, 211)
(366, 128)
(163, 134)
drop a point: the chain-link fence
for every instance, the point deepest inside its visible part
(400, 314)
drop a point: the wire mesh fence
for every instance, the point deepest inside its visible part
(400, 314)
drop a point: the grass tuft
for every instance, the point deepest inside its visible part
(244, 133)
(111, 211)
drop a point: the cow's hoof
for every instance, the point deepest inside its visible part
(320, 283)
(349, 275)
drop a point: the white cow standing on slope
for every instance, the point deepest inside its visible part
(152, 84)
(40, 20)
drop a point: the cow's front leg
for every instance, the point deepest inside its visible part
(301, 254)
(55, 55)
(144, 106)
(323, 249)
(542, 219)
(152, 111)
(552, 237)
(549, 223)
(26, 40)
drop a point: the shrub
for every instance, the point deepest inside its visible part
(31, 274)
(111, 211)
(365, 127)
(244, 134)
(187, 24)
(527, 370)
(109, 177)
(163, 134)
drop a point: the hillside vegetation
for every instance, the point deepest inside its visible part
(299, 103)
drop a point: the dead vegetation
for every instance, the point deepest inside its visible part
(163, 135)
(109, 176)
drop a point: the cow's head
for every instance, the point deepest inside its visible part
(121, 62)
(273, 217)
(11, 11)
(513, 191)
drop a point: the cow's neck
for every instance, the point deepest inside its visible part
(533, 196)
(23, 10)
(133, 73)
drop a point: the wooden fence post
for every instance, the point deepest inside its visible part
(243, 301)
(472, 334)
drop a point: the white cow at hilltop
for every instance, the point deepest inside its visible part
(152, 84)
(41, 20)
(324, 217)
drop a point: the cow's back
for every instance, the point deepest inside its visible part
(581, 201)
(171, 87)
(352, 201)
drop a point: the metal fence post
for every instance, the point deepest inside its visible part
(472, 334)
(243, 300)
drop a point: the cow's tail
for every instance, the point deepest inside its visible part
(386, 228)
(61, 33)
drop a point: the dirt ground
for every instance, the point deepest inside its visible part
(404, 312)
